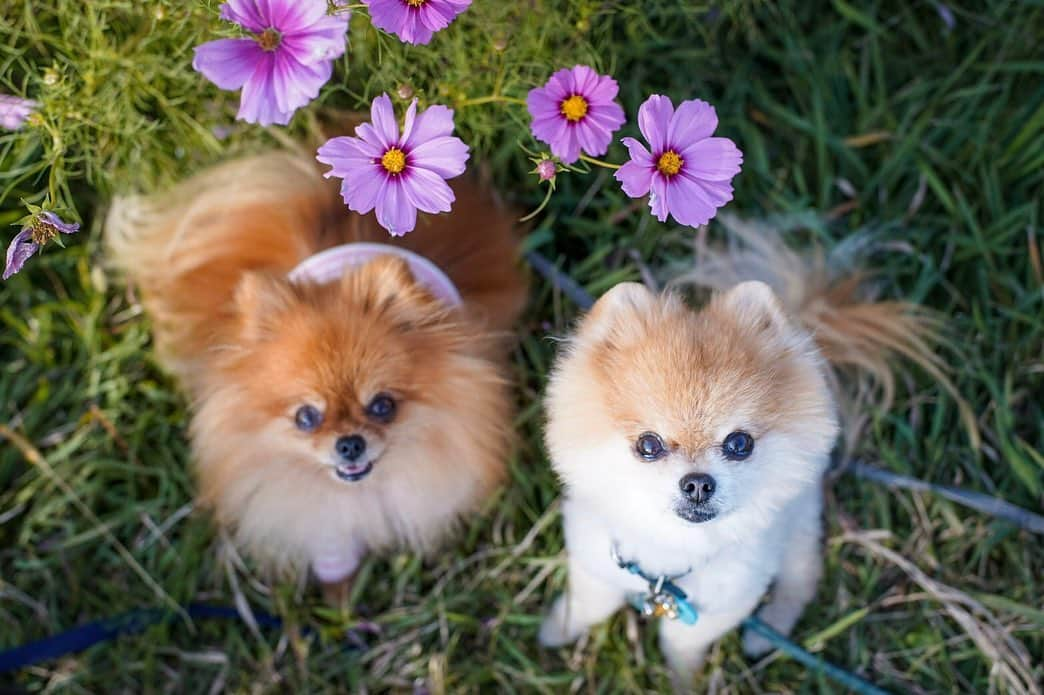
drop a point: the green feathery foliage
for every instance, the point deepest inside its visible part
(874, 118)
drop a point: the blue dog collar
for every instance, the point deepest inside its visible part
(664, 599)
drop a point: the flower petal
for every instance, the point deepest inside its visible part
(396, 17)
(712, 159)
(635, 179)
(716, 193)
(21, 248)
(14, 111)
(635, 176)
(433, 122)
(603, 90)
(49, 218)
(258, 102)
(654, 116)
(346, 153)
(566, 147)
(407, 123)
(367, 133)
(325, 40)
(294, 84)
(609, 116)
(292, 16)
(394, 211)
(246, 14)
(436, 15)
(688, 202)
(427, 191)
(382, 116)
(228, 63)
(446, 156)
(561, 84)
(362, 188)
(639, 155)
(658, 198)
(550, 129)
(540, 103)
(593, 138)
(413, 30)
(694, 120)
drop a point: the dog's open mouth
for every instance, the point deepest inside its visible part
(352, 472)
(694, 515)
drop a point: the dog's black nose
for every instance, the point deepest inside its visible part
(350, 448)
(697, 487)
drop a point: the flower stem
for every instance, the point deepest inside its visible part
(543, 204)
(599, 162)
(492, 99)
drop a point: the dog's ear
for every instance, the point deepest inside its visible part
(261, 301)
(753, 303)
(626, 306)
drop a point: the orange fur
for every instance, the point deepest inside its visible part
(211, 259)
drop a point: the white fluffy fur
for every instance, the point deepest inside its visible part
(768, 527)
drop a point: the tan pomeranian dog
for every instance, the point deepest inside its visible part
(692, 444)
(348, 389)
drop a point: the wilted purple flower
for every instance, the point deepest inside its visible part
(415, 21)
(14, 111)
(688, 172)
(283, 66)
(398, 174)
(575, 111)
(44, 227)
(546, 169)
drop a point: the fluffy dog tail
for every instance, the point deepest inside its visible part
(858, 335)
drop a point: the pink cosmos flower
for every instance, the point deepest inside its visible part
(14, 111)
(44, 227)
(283, 66)
(688, 172)
(398, 174)
(415, 21)
(575, 111)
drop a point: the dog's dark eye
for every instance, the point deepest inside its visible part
(737, 446)
(381, 408)
(308, 418)
(650, 446)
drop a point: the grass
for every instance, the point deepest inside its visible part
(870, 118)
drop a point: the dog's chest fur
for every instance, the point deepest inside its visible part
(721, 563)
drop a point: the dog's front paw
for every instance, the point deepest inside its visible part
(754, 645)
(555, 631)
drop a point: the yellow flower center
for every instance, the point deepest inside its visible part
(670, 163)
(394, 160)
(415, 3)
(269, 39)
(574, 108)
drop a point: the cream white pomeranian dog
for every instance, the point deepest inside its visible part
(693, 443)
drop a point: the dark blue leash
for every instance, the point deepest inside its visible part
(79, 638)
(134, 622)
(668, 601)
(810, 661)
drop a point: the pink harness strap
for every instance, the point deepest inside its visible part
(330, 265)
